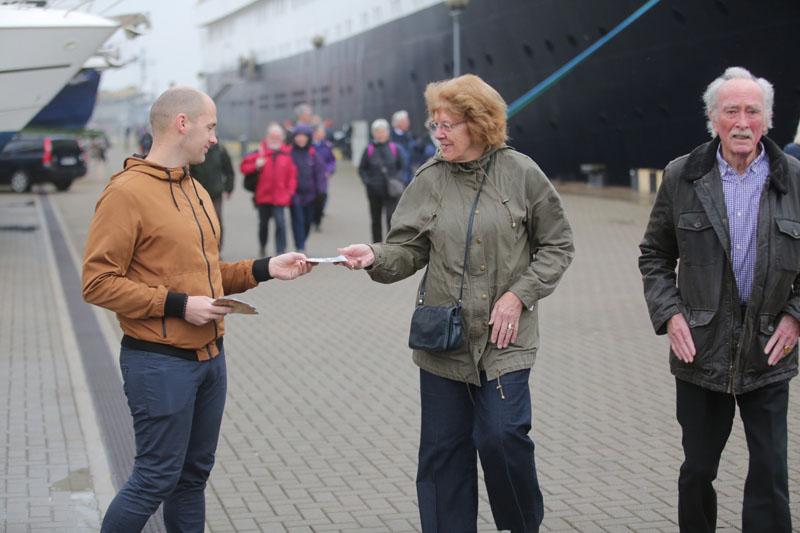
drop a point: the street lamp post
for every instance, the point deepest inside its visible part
(456, 7)
(317, 41)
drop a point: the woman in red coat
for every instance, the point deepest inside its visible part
(277, 182)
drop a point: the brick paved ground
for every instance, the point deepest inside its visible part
(45, 482)
(321, 426)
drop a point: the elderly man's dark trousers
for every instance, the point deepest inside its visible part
(706, 418)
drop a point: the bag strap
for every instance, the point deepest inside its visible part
(421, 298)
(371, 150)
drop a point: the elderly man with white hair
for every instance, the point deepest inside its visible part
(380, 162)
(730, 213)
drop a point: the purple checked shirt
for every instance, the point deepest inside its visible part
(742, 196)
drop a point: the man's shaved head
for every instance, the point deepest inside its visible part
(183, 121)
(191, 102)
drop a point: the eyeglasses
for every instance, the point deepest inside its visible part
(445, 126)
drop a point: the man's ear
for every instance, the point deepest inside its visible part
(181, 122)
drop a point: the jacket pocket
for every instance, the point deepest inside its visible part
(698, 241)
(699, 317)
(788, 244)
(703, 334)
(757, 359)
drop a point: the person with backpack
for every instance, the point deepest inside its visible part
(275, 186)
(380, 169)
(311, 182)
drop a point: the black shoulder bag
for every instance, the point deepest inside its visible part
(436, 328)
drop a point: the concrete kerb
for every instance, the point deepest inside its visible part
(95, 447)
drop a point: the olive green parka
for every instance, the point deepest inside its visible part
(521, 242)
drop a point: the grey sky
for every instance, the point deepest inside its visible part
(168, 55)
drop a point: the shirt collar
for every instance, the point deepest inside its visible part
(725, 169)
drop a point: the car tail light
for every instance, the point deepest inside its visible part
(47, 157)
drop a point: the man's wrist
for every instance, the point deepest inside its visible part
(261, 269)
(175, 304)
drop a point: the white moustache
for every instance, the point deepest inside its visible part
(742, 133)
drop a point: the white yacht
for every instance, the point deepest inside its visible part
(40, 51)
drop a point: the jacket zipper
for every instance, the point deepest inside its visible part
(735, 291)
(731, 366)
(203, 247)
(164, 326)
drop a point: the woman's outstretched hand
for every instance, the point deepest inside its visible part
(358, 256)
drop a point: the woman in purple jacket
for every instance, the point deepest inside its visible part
(311, 182)
(324, 152)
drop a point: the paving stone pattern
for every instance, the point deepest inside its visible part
(44, 476)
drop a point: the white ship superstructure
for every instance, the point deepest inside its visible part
(252, 32)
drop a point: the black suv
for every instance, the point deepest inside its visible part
(30, 158)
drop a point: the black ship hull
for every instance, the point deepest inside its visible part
(633, 103)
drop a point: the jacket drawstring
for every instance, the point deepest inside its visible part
(466, 168)
(503, 201)
(169, 176)
(200, 201)
(500, 387)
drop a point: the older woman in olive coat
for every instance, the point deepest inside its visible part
(476, 397)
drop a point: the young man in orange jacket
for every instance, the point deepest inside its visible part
(152, 256)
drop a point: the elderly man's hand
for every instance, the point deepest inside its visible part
(289, 266)
(680, 338)
(783, 340)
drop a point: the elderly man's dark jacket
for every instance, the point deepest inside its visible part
(689, 222)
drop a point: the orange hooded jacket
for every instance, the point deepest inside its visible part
(153, 242)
